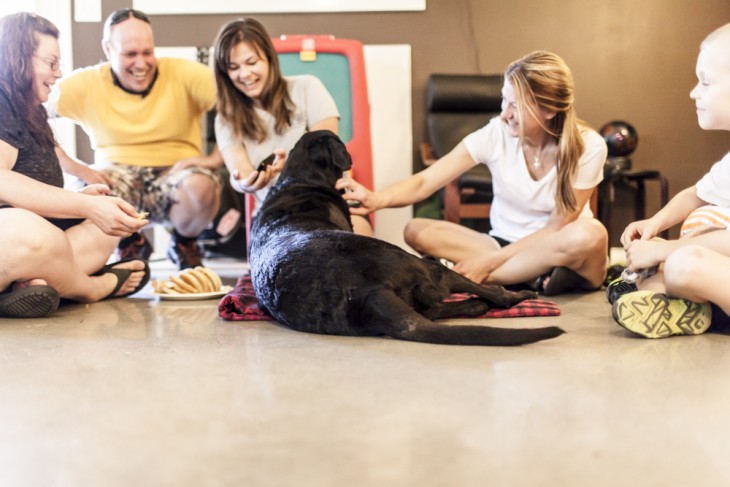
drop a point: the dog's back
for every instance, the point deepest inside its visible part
(313, 274)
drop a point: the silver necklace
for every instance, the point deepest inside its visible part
(536, 159)
(536, 162)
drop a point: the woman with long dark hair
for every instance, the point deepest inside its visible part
(262, 112)
(56, 242)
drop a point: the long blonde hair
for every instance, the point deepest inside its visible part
(542, 80)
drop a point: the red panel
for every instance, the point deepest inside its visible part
(359, 147)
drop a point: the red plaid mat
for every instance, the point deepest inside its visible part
(241, 304)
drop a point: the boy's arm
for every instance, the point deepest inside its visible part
(646, 254)
(676, 211)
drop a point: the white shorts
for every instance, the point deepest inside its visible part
(706, 218)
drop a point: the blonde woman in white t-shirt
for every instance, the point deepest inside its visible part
(545, 164)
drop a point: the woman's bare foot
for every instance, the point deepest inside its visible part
(31, 282)
(110, 280)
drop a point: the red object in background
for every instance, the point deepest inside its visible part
(360, 146)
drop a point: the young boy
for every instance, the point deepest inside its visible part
(690, 272)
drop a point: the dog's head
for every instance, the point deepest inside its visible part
(319, 157)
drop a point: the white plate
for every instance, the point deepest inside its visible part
(195, 296)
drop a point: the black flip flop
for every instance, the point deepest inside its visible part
(123, 275)
(29, 302)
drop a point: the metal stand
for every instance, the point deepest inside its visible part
(615, 173)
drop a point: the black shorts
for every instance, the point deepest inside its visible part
(502, 242)
(62, 223)
(65, 223)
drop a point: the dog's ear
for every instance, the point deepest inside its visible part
(340, 156)
(329, 152)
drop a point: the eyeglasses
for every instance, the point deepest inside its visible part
(54, 64)
(119, 16)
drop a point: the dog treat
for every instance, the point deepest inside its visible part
(631, 276)
(143, 215)
(189, 281)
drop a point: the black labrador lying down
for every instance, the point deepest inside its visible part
(312, 274)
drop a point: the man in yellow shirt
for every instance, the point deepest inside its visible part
(143, 118)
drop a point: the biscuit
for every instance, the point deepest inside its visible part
(189, 281)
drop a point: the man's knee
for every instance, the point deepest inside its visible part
(200, 190)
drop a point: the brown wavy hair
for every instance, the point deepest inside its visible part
(236, 108)
(542, 80)
(18, 44)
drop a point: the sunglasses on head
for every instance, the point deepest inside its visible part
(123, 14)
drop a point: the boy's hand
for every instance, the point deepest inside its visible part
(645, 254)
(642, 229)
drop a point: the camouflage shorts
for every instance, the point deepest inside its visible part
(152, 189)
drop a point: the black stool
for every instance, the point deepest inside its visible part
(635, 179)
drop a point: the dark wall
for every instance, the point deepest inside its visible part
(631, 60)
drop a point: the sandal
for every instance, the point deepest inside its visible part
(122, 276)
(29, 302)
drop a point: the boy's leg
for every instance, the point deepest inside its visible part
(698, 274)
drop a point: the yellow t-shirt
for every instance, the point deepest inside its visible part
(157, 130)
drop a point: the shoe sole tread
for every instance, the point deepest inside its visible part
(653, 315)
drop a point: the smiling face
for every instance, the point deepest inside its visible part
(515, 114)
(131, 52)
(712, 92)
(46, 67)
(248, 70)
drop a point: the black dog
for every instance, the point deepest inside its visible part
(312, 274)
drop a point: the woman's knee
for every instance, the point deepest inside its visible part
(589, 237)
(415, 231)
(33, 239)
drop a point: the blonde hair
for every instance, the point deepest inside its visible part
(721, 33)
(542, 80)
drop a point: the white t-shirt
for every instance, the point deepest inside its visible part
(521, 205)
(312, 103)
(714, 187)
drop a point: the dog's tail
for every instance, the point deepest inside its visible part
(392, 317)
(430, 332)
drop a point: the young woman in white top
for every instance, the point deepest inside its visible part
(545, 163)
(261, 112)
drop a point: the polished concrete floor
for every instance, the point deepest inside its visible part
(140, 392)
